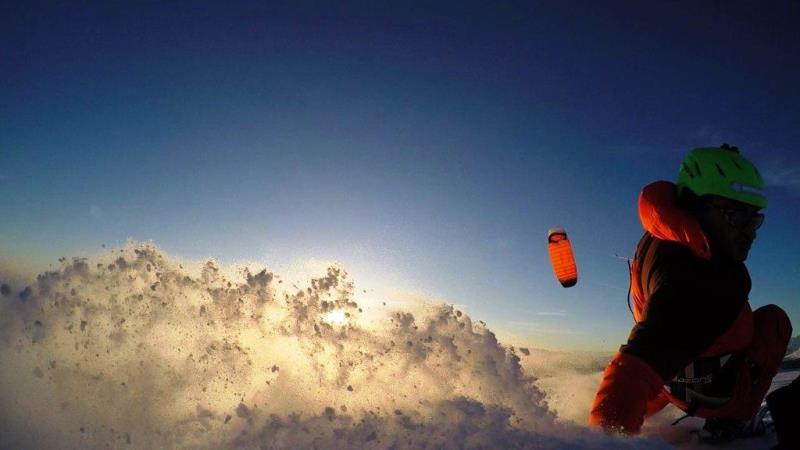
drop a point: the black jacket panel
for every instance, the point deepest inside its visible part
(690, 303)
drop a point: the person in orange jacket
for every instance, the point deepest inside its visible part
(696, 342)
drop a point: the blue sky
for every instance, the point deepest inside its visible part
(428, 146)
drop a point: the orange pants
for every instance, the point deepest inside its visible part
(771, 333)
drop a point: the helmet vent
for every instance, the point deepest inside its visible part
(687, 170)
(736, 164)
(697, 167)
(719, 169)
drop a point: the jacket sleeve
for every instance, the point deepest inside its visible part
(621, 402)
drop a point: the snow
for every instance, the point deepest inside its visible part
(571, 381)
(794, 355)
(135, 349)
(794, 346)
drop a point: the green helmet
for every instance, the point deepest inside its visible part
(722, 171)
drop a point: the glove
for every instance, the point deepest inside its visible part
(628, 385)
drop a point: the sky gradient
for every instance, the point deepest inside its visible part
(428, 148)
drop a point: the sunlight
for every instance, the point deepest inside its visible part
(337, 317)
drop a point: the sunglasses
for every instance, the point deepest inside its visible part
(741, 219)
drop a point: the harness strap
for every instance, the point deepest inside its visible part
(710, 382)
(690, 411)
(696, 381)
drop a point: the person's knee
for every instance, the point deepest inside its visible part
(773, 317)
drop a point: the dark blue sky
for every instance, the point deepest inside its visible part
(429, 147)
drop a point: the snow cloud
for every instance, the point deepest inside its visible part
(135, 349)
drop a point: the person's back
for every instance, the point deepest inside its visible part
(691, 303)
(696, 343)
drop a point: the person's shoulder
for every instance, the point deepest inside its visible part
(669, 250)
(675, 260)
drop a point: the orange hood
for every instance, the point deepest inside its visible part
(664, 219)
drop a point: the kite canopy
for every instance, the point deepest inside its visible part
(561, 257)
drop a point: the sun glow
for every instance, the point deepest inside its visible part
(337, 317)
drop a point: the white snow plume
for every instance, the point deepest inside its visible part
(130, 349)
(568, 379)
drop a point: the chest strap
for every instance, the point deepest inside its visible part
(706, 381)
